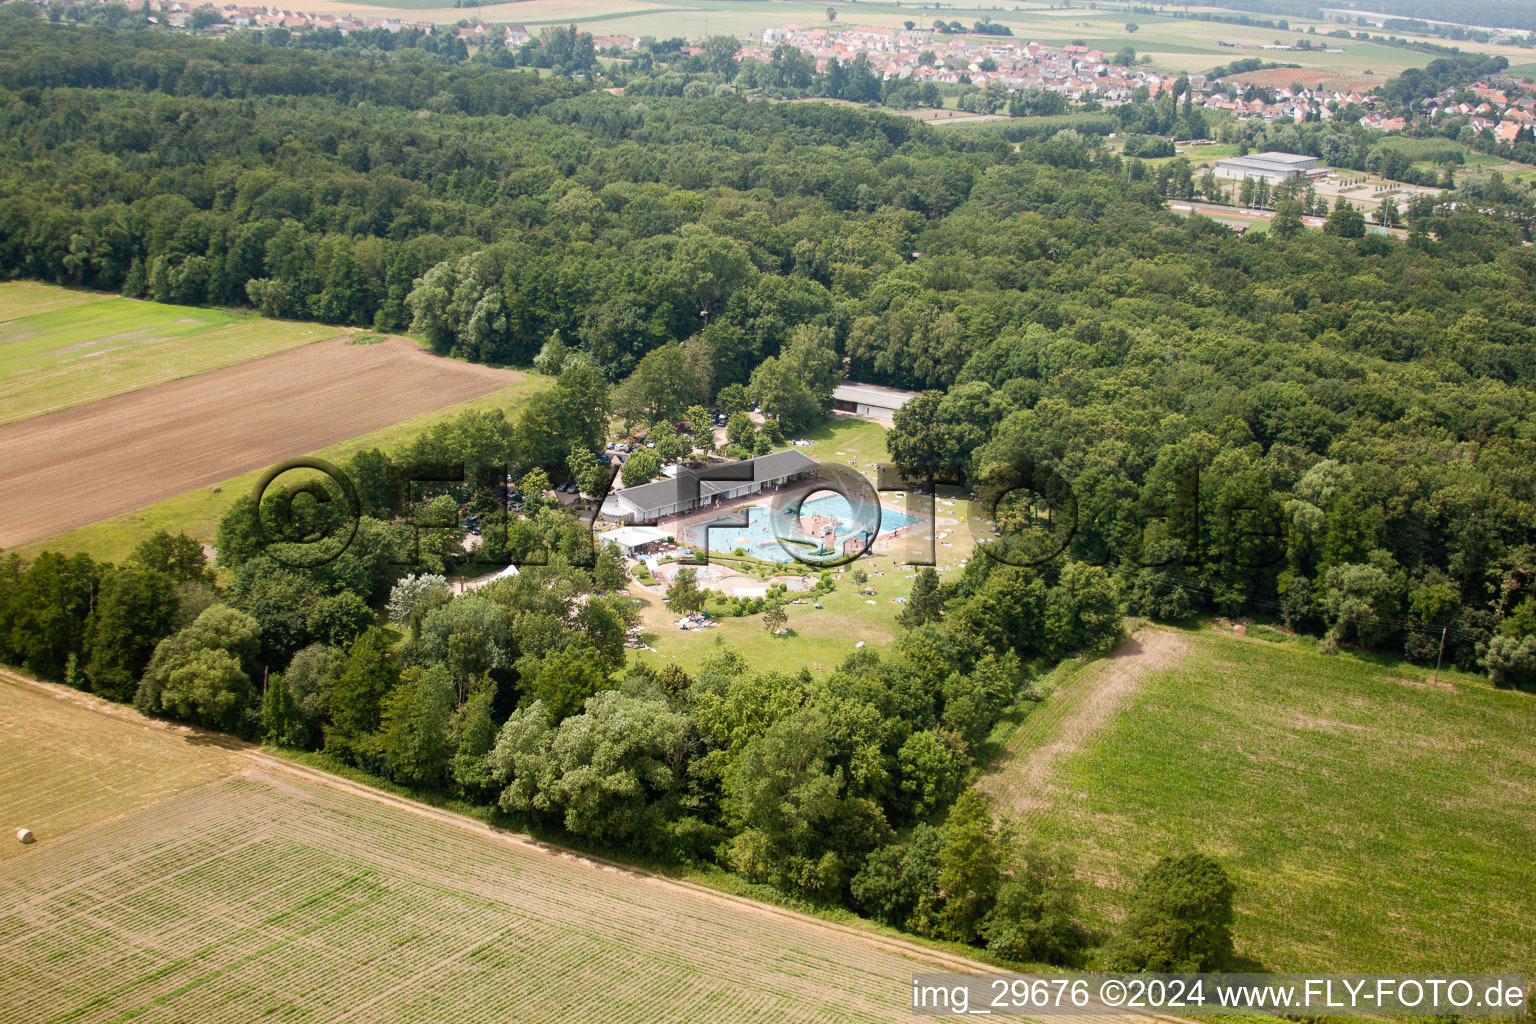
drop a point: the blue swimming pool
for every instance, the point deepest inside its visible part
(823, 526)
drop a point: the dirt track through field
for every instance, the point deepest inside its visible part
(1073, 714)
(81, 465)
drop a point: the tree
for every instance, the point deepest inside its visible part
(413, 732)
(831, 13)
(930, 772)
(641, 467)
(563, 682)
(339, 619)
(732, 399)
(1035, 916)
(372, 671)
(48, 612)
(1083, 610)
(899, 884)
(199, 674)
(618, 766)
(720, 55)
(137, 610)
(919, 441)
(796, 827)
(180, 557)
(684, 596)
(796, 386)
(1287, 222)
(415, 595)
(702, 425)
(923, 603)
(206, 686)
(969, 867)
(1180, 919)
(1132, 27)
(662, 386)
(739, 430)
(282, 721)
(774, 616)
(1345, 223)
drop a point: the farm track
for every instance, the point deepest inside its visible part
(78, 466)
(1073, 714)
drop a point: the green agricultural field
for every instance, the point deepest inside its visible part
(61, 348)
(197, 513)
(1372, 818)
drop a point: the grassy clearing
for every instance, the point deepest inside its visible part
(271, 895)
(62, 348)
(1373, 821)
(197, 513)
(63, 768)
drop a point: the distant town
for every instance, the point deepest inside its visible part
(950, 54)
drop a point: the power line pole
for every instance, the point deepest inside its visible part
(1436, 678)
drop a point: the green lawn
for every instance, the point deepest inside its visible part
(1372, 820)
(197, 513)
(62, 348)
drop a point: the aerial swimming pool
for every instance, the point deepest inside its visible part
(818, 533)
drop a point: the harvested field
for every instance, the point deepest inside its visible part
(63, 769)
(81, 465)
(268, 896)
(1312, 78)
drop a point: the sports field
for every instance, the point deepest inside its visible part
(284, 894)
(87, 463)
(1371, 819)
(61, 348)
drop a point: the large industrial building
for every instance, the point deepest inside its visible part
(1271, 167)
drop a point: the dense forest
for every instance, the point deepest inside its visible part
(1328, 427)
(1374, 394)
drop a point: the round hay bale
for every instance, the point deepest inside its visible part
(24, 835)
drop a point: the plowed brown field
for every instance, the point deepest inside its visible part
(80, 465)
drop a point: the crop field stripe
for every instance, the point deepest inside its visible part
(292, 890)
(26, 298)
(318, 906)
(56, 777)
(77, 466)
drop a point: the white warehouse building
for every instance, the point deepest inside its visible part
(1271, 167)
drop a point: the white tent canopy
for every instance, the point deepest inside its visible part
(627, 538)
